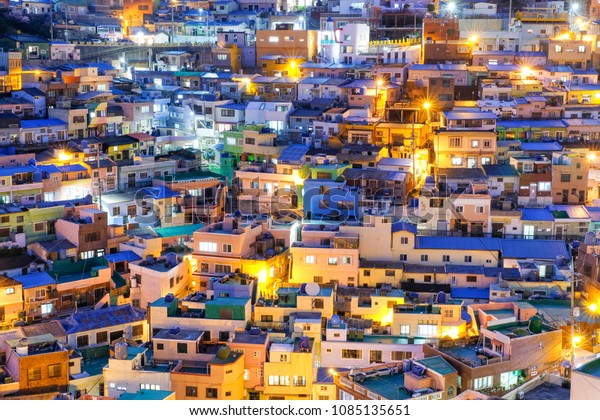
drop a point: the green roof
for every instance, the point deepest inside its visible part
(188, 73)
(437, 364)
(169, 232)
(146, 395)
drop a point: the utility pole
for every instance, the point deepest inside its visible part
(172, 23)
(99, 179)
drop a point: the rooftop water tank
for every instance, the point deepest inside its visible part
(121, 350)
(441, 297)
(169, 298)
(223, 352)
(535, 324)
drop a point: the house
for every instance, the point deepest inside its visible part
(11, 304)
(289, 370)
(39, 295)
(430, 378)
(105, 326)
(88, 232)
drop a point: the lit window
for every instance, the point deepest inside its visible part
(310, 259)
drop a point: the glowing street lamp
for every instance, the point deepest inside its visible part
(378, 84)
(525, 72)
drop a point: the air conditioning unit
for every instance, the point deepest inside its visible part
(521, 395)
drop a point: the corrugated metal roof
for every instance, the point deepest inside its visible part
(533, 248)
(458, 243)
(537, 215)
(122, 256)
(469, 293)
(573, 211)
(30, 281)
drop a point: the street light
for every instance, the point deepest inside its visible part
(172, 22)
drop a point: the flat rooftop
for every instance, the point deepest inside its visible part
(390, 387)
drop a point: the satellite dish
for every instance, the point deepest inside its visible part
(312, 289)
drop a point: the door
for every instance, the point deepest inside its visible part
(559, 232)
(529, 231)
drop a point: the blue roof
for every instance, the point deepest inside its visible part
(507, 273)
(541, 146)
(533, 248)
(76, 167)
(406, 226)
(293, 153)
(241, 107)
(51, 169)
(469, 293)
(158, 193)
(30, 281)
(17, 170)
(594, 213)
(538, 215)
(101, 318)
(531, 123)
(122, 256)
(464, 269)
(26, 124)
(457, 242)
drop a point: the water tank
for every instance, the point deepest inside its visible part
(237, 214)
(23, 347)
(121, 350)
(335, 320)
(464, 315)
(406, 366)
(12, 150)
(560, 260)
(171, 259)
(170, 297)
(575, 244)
(255, 331)
(535, 324)
(88, 220)
(418, 370)
(32, 162)
(303, 288)
(441, 297)
(38, 176)
(223, 352)
(326, 162)
(174, 330)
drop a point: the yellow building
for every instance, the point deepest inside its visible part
(464, 148)
(11, 302)
(222, 378)
(289, 371)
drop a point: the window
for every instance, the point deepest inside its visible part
(39, 227)
(222, 268)
(581, 48)
(404, 329)
(227, 248)
(212, 393)
(101, 337)
(565, 177)
(266, 318)
(137, 330)
(351, 354)
(83, 341)
(204, 267)
(404, 241)
(10, 290)
(401, 355)
(558, 48)
(459, 209)
(182, 348)
(390, 273)
(446, 258)
(424, 257)
(457, 161)
(346, 260)
(274, 39)
(471, 279)
(427, 330)
(310, 259)
(367, 273)
(332, 261)
(191, 391)
(479, 209)
(403, 257)
(455, 142)
(468, 258)
(54, 371)
(227, 113)
(299, 380)
(474, 144)
(92, 237)
(34, 374)
(207, 247)
(485, 382)
(160, 346)
(279, 380)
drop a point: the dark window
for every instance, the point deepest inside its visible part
(83, 341)
(181, 347)
(101, 337)
(212, 393)
(137, 330)
(191, 391)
